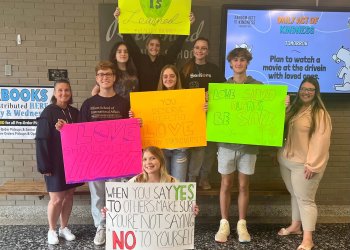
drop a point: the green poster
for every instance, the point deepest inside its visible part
(246, 113)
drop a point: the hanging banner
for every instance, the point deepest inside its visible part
(19, 108)
(172, 118)
(154, 17)
(246, 113)
(101, 150)
(150, 215)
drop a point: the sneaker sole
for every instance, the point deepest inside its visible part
(222, 241)
(53, 243)
(66, 238)
(244, 241)
(99, 243)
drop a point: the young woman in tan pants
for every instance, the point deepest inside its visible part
(304, 157)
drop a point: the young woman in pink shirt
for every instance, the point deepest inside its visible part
(304, 157)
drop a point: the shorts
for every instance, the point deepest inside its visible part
(231, 160)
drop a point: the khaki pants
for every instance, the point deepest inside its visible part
(302, 192)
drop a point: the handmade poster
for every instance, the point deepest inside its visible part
(19, 108)
(172, 118)
(246, 113)
(101, 150)
(150, 215)
(154, 17)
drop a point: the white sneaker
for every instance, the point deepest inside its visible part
(243, 235)
(52, 238)
(100, 237)
(224, 231)
(66, 234)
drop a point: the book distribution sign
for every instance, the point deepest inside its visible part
(19, 108)
(150, 215)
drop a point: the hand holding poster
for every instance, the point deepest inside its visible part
(171, 119)
(101, 150)
(246, 114)
(150, 215)
(154, 17)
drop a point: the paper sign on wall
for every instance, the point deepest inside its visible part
(150, 215)
(154, 17)
(101, 150)
(171, 119)
(19, 108)
(246, 113)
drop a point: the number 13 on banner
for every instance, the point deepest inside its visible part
(155, 16)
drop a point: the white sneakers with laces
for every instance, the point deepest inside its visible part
(52, 237)
(243, 235)
(224, 231)
(100, 237)
(66, 234)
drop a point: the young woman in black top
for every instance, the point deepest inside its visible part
(50, 159)
(149, 65)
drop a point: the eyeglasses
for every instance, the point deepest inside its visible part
(201, 48)
(101, 75)
(309, 90)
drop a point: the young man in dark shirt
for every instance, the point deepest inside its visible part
(106, 105)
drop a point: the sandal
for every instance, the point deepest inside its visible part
(302, 247)
(285, 232)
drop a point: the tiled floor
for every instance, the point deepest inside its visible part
(327, 237)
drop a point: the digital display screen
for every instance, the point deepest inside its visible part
(289, 44)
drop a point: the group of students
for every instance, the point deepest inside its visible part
(302, 159)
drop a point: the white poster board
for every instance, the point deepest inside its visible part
(150, 215)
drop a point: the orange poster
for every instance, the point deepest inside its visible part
(171, 118)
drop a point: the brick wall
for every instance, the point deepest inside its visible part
(64, 34)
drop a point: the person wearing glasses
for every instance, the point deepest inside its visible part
(198, 73)
(106, 105)
(304, 157)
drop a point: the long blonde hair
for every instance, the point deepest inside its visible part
(158, 153)
(178, 80)
(316, 106)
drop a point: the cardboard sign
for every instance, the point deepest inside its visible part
(172, 118)
(154, 17)
(246, 113)
(150, 215)
(101, 150)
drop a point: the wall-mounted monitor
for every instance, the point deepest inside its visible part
(289, 44)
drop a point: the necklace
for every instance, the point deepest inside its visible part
(198, 66)
(69, 115)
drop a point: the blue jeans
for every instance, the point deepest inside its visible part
(98, 200)
(176, 161)
(202, 160)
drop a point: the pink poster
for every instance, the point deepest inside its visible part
(101, 150)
